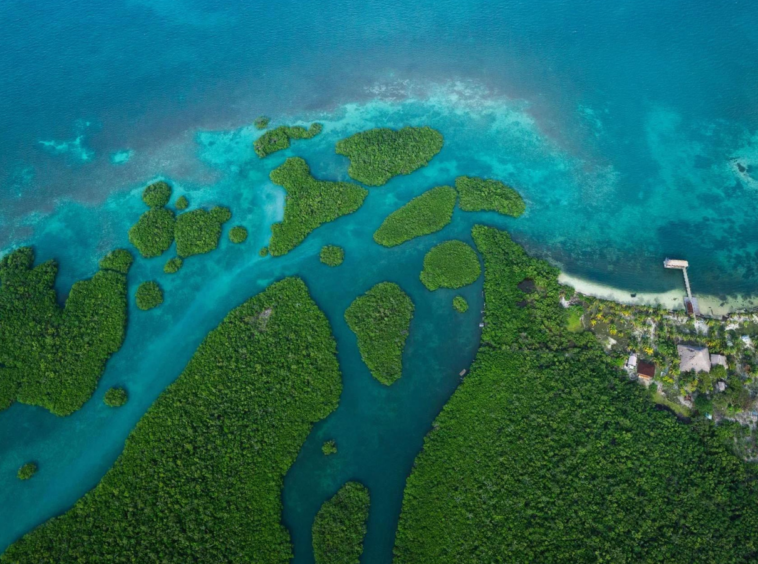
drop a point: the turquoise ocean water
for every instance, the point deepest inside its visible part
(629, 127)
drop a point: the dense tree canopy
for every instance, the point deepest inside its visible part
(379, 154)
(452, 264)
(149, 295)
(27, 471)
(153, 234)
(115, 397)
(198, 231)
(545, 454)
(340, 526)
(182, 203)
(479, 194)
(157, 195)
(279, 138)
(52, 356)
(427, 213)
(200, 477)
(173, 265)
(332, 255)
(460, 304)
(309, 203)
(380, 319)
(238, 234)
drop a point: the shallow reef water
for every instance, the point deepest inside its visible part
(630, 137)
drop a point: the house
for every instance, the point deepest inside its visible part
(693, 358)
(631, 363)
(718, 360)
(645, 370)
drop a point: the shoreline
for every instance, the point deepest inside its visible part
(710, 305)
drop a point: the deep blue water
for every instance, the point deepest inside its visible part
(624, 124)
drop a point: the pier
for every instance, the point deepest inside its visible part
(690, 303)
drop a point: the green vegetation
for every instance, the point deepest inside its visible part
(452, 264)
(27, 471)
(340, 526)
(119, 260)
(478, 194)
(279, 138)
(427, 213)
(157, 195)
(379, 154)
(380, 319)
(238, 234)
(153, 234)
(309, 204)
(149, 295)
(201, 474)
(182, 203)
(460, 304)
(332, 255)
(545, 454)
(51, 356)
(199, 231)
(173, 265)
(116, 397)
(329, 447)
(263, 252)
(261, 122)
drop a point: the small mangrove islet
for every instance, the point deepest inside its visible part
(173, 265)
(479, 194)
(380, 319)
(460, 304)
(279, 138)
(329, 447)
(340, 526)
(452, 264)
(309, 203)
(424, 214)
(149, 295)
(199, 231)
(115, 397)
(201, 475)
(182, 203)
(53, 356)
(27, 471)
(238, 234)
(156, 195)
(332, 255)
(379, 154)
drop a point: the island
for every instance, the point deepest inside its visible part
(199, 231)
(340, 526)
(452, 264)
(279, 138)
(424, 214)
(309, 204)
(200, 447)
(53, 356)
(149, 295)
(479, 194)
(380, 319)
(379, 154)
(332, 255)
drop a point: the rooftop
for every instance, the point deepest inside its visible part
(693, 358)
(645, 369)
